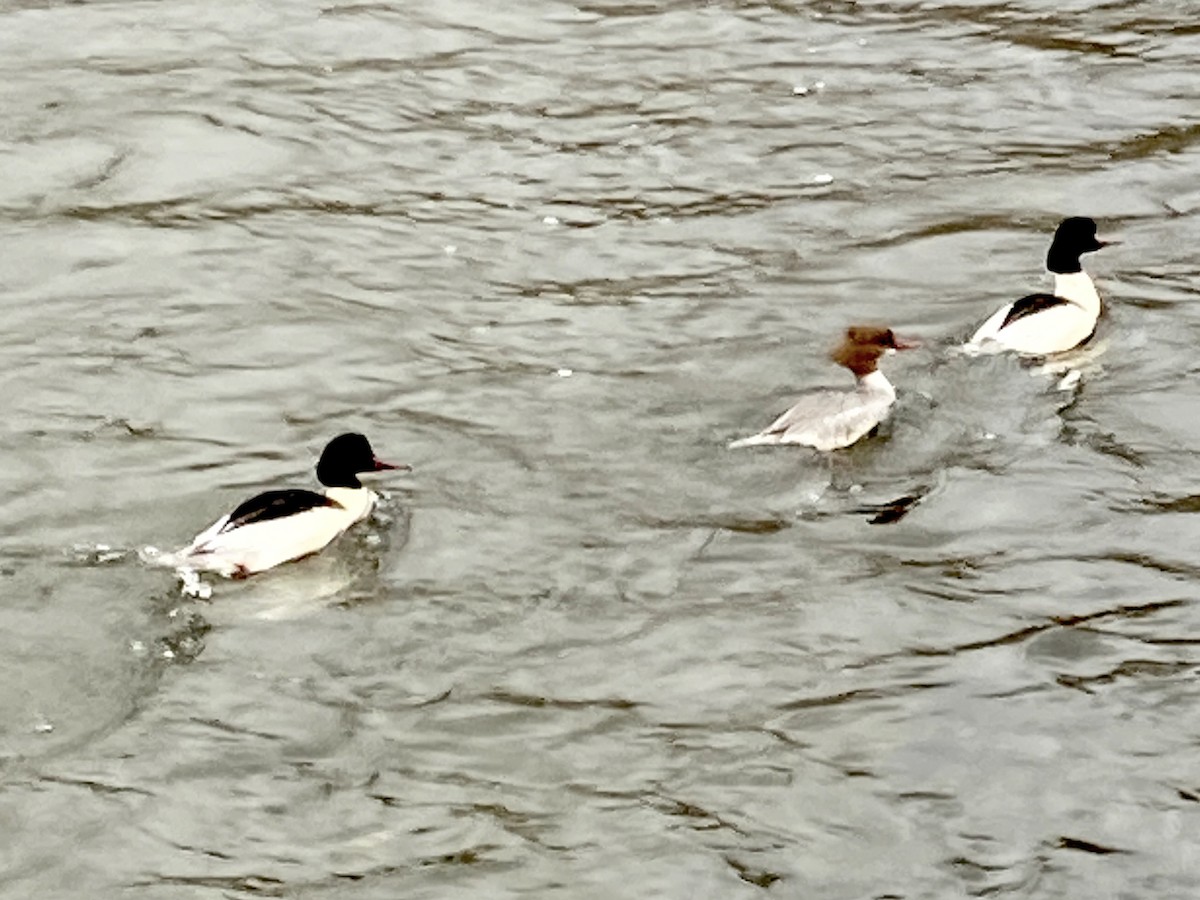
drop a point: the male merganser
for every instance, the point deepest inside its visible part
(1041, 324)
(829, 419)
(278, 526)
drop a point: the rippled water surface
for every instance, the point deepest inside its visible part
(556, 256)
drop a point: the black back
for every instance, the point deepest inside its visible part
(1034, 303)
(275, 505)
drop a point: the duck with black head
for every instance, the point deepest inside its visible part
(829, 419)
(282, 525)
(1044, 324)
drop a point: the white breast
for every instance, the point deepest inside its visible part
(263, 545)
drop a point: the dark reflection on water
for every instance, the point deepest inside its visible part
(557, 256)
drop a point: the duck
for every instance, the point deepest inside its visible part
(1046, 324)
(279, 526)
(830, 419)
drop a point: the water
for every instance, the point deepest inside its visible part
(556, 257)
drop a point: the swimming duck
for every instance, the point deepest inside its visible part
(279, 526)
(1042, 324)
(830, 419)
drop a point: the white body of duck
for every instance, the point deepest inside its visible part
(279, 526)
(1044, 324)
(832, 419)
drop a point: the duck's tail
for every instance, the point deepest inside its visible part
(755, 440)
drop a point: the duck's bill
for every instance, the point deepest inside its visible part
(381, 466)
(904, 343)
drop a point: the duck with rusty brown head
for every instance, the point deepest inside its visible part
(830, 419)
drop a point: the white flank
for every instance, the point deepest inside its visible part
(1054, 330)
(262, 545)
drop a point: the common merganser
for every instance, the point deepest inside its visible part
(278, 526)
(1042, 324)
(830, 419)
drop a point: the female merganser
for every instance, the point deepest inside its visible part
(278, 526)
(1041, 324)
(829, 419)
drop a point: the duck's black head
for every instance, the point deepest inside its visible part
(1074, 237)
(345, 457)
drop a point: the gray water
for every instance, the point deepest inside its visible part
(556, 256)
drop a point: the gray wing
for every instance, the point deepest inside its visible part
(826, 420)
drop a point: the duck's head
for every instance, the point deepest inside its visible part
(345, 458)
(862, 346)
(1073, 238)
